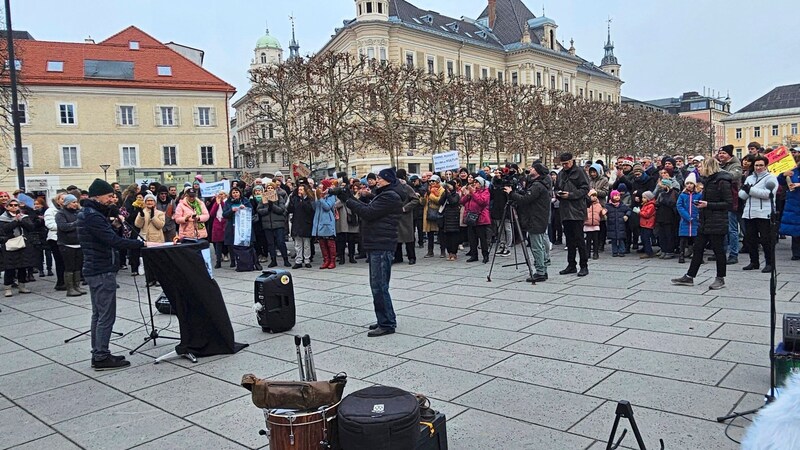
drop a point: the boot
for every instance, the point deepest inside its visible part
(340, 259)
(352, 260)
(332, 254)
(69, 280)
(323, 247)
(8, 291)
(442, 255)
(286, 262)
(22, 289)
(273, 263)
(77, 283)
(429, 254)
(595, 255)
(218, 265)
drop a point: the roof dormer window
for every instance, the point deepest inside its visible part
(55, 66)
(427, 18)
(453, 26)
(133, 45)
(164, 71)
(482, 34)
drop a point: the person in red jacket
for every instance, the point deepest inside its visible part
(475, 199)
(647, 221)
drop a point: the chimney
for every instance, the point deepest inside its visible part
(88, 40)
(492, 13)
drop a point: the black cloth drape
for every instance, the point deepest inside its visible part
(206, 328)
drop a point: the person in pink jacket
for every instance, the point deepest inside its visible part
(475, 200)
(191, 215)
(218, 227)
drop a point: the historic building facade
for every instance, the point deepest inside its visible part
(708, 108)
(771, 120)
(140, 108)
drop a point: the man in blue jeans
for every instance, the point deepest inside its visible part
(731, 164)
(379, 219)
(98, 241)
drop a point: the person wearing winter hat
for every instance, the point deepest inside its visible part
(68, 244)
(728, 162)
(166, 204)
(405, 226)
(379, 223)
(475, 200)
(150, 221)
(533, 209)
(647, 222)
(98, 240)
(572, 189)
(689, 214)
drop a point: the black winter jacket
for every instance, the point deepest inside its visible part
(273, 214)
(497, 199)
(666, 211)
(452, 211)
(717, 192)
(98, 240)
(302, 210)
(576, 183)
(67, 223)
(379, 218)
(533, 205)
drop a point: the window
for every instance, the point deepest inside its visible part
(484, 73)
(409, 59)
(738, 133)
(694, 106)
(133, 45)
(263, 58)
(553, 82)
(591, 95)
(369, 7)
(538, 78)
(500, 76)
(205, 116)
(107, 69)
(55, 66)
(128, 156)
(166, 116)
(371, 53)
(26, 157)
(70, 157)
(164, 71)
(412, 140)
(774, 130)
(170, 154)
(207, 155)
(580, 92)
(468, 71)
(126, 115)
(17, 65)
(272, 156)
(599, 96)
(450, 69)
(566, 86)
(514, 78)
(66, 113)
(452, 141)
(380, 11)
(756, 131)
(431, 65)
(738, 152)
(382, 53)
(22, 113)
(271, 133)
(794, 128)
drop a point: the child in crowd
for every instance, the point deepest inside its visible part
(618, 214)
(647, 222)
(591, 226)
(690, 216)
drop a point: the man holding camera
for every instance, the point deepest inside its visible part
(379, 222)
(533, 207)
(572, 188)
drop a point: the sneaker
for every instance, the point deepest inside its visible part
(583, 272)
(109, 363)
(685, 280)
(500, 251)
(379, 331)
(767, 269)
(718, 283)
(115, 357)
(308, 266)
(751, 266)
(505, 253)
(568, 270)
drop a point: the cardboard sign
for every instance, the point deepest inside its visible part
(780, 160)
(445, 161)
(209, 190)
(300, 170)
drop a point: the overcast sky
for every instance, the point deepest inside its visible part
(666, 47)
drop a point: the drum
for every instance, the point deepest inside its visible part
(302, 430)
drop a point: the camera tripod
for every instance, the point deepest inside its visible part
(510, 212)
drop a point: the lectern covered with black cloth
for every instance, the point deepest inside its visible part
(181, 270)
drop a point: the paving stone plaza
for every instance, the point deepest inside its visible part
(513, 366)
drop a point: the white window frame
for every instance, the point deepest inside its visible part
(213, 154)
(776, 130)
(212, 116)
(164, 70)
(122, 163)
(77, 155)
(450, 68)
(370, 53)
(738, 133)
(429, 59)
(484, 73)
(134, 116)
(55, 66)
(26, 117)
(413, 59)
(793, 128)
(514, 78)
(13, 160)
(466, 65)
(163, 160)
(159, 119)
(500, 76)
(74, 114)
(757, 132)
(383, 54)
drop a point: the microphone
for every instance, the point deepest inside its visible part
(770, 184)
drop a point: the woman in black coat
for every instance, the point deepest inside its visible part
(14, 223)
(451, 218)
(717, 201)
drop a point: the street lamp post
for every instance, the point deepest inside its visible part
(12, 66)
(105, 170)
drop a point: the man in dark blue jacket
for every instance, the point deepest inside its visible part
(379, 221)
(98, 242)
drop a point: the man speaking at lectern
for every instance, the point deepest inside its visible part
(99, 242)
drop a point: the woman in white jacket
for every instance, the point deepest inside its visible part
(52, 238)
(759, 190)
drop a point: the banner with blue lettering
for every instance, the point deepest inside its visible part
(210, 190)
(243, 227)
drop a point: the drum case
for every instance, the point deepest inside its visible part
(379, 418)
(437, 440)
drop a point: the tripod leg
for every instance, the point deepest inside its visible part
(496, 245)
(515, 225)
(82, 334)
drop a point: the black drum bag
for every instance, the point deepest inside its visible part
(378, 418)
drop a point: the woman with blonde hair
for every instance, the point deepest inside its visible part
(714, 207)
(432, 201)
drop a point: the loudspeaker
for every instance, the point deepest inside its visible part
(791, 332)
(163, 305)
(274, 298)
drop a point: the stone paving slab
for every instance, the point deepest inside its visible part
(532, 366)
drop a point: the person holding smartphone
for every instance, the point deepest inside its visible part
(572, 189)
(13, 224)
(191, 215)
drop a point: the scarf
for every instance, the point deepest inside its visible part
(198, 209)
(219, 212)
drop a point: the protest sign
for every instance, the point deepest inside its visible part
(208, 190)
(445, 161)
(243, 227)
(780, 160)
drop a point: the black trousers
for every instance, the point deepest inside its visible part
(573, 233)
(346, 241)
(9, 275)
(432, 235)
(593, 241)
(475, 234)
(59, 262)
(452, 240)
(757, 231)
(411, 251)
(420, 233)
(73, 258)
(556, 231)
(717, 241)
(666, 237)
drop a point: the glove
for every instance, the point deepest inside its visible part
(746, 188)
(344, 194)
(636, 210)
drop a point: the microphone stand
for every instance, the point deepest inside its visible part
(773, 283)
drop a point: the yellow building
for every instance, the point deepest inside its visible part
(772, 120)
(129, 102)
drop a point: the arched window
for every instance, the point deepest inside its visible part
(263, 58)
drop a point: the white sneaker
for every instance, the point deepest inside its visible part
(550, 248)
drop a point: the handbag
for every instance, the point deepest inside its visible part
(471, 219)
(15, 243)
(294, 394)
(434, 215)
